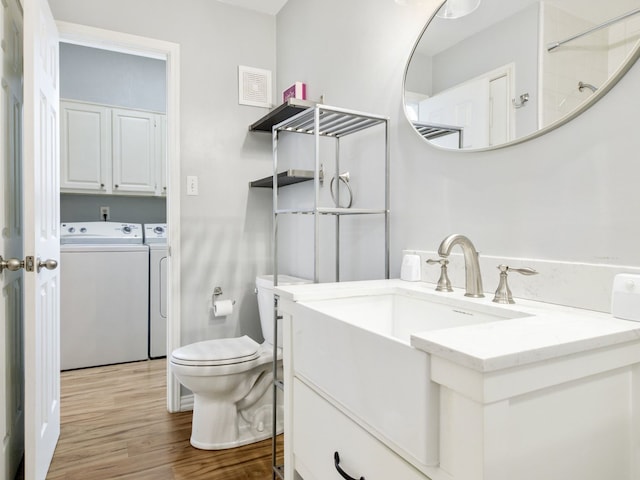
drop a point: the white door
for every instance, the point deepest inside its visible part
(481, 106)
(134, 151)
(11, 282)
(499, 108)
(41, 238)
(465, 105)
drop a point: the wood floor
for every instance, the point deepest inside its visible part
(115, 425)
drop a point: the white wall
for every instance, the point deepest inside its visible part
(569, 195)
(226, 228)
(420, 74)
(86, 208)
(490, 50)
(112, 78)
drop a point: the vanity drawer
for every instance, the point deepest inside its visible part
(320, 430)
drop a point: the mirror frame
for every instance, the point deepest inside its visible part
(602, 91)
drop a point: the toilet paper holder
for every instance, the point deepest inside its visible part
(217, 291)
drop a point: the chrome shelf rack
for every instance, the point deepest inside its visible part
(333, 122)
(279, 114)
(431, 131)
(288, 177)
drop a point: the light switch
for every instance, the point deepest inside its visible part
(192, 185)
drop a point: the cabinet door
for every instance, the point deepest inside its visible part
(134, 151)
(320, 430)
(162, 155)
(85, 149)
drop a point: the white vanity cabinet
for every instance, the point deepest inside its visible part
(107, 150)
(316, 427)
(532, 391)
(574, 416)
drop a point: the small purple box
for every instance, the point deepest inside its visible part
(297, 90)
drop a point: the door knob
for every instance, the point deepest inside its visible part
(12, 264)
(49, 264)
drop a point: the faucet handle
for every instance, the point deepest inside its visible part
(444, 284)
(503, 293)
(442, 260)
(523, 270)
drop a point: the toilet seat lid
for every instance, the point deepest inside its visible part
(222, 351)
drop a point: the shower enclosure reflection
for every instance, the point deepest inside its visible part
(513, 69)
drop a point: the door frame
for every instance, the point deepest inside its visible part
(170, 52)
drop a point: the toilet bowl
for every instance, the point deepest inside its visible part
(231, 378)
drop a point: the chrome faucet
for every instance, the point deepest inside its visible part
(473, 279)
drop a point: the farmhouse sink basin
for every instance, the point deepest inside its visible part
(400, 313)
(356, 350)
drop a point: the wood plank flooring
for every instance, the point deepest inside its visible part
(115, 425)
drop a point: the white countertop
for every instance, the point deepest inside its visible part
(549, 331)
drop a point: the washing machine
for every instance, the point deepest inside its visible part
(155, 237)
(104, 291)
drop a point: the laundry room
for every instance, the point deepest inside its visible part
(113, 206)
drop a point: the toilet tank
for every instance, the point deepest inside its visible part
(264, 287)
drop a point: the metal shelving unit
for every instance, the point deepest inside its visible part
(431, 131)
(288, 177)
(279, 114)
(321, 121)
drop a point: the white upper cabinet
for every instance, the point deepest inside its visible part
(85, 147)
(162, 163)
(111, 150)
(134, 151)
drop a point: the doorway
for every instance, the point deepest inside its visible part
(80, 36)
(481, 106)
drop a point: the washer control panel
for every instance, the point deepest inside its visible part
(155, 233)
(100, 233)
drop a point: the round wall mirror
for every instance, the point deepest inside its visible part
(505, 71)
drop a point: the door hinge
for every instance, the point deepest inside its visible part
(30, 263)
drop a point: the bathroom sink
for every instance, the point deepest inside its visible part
(356, 350)
(399, 314)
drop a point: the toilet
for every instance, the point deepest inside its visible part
(231, 380)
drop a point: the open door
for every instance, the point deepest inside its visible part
(11, 275)
(41, 180)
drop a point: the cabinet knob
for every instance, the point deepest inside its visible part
(102, 185)
(115, 186)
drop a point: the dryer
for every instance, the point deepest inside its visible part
(104, 293)
(155, 237)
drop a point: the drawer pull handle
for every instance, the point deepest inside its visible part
(343, 474)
